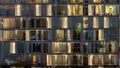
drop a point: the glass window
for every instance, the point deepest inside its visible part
(97, 59)
(2, 10)
(101, 34)
(17, 10)
(59, 35)
(76, 48)
(9, 35)
(31, 23)
(41, 23)
(10, 10)
(85, 22)
(76, 1)
(95, 22)
(12, 47)
(43, 35)
(18, 22)
(38, 10)
(8, 23)
(91, 10)
(87, 35)
(27, 10)
(59, 47)
(76, 35)
(106, 22)
(60, 1)
(45, 48)
(99, 9)
(36, 47)
(61, 22)
(59, 10)
(57, 60)
(110, 9)
(20, 35)
(75, 10)
(98, 1)
(49, 10)
(32, 35)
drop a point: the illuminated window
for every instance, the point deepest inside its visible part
(12, 47)
(59, 47)
(97, 60)
(91, 10)
(40, 1)
(9, 35)
(101, 34)
(95, 22)
(85, 22)
(99, 9)
(64, 22)
(17, 10)
(61, 22)
(98, 1)
(75, 10)
(1, 34)
(106, 22)
(38, 10)
(8, 23)
(49, 22)
(57, 60)
(110, 9)
(76, 1)
(59, 35)
(49, 10)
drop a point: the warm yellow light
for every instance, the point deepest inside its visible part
(110, 10)
(64, 22)
(12, 47)
(69, 48)
(49, 10)
(33, 0)
(17, 10)
(34, 59)
(38, 10)
(101, 34)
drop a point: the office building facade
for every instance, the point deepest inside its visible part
(60, 33)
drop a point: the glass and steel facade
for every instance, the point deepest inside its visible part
(60, 32)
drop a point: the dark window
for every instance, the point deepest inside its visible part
(84, 48)
(41, 23)
(31, 24)
(45, 36)
(76, 48)
(37, 47)
(85, 61)
(23, 23)
(45, 47)
(76, 36)
(110, 49)
(39, 35)
(74, 60)
(85, 11)
(32, 35)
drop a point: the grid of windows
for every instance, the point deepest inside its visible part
(60, 32)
